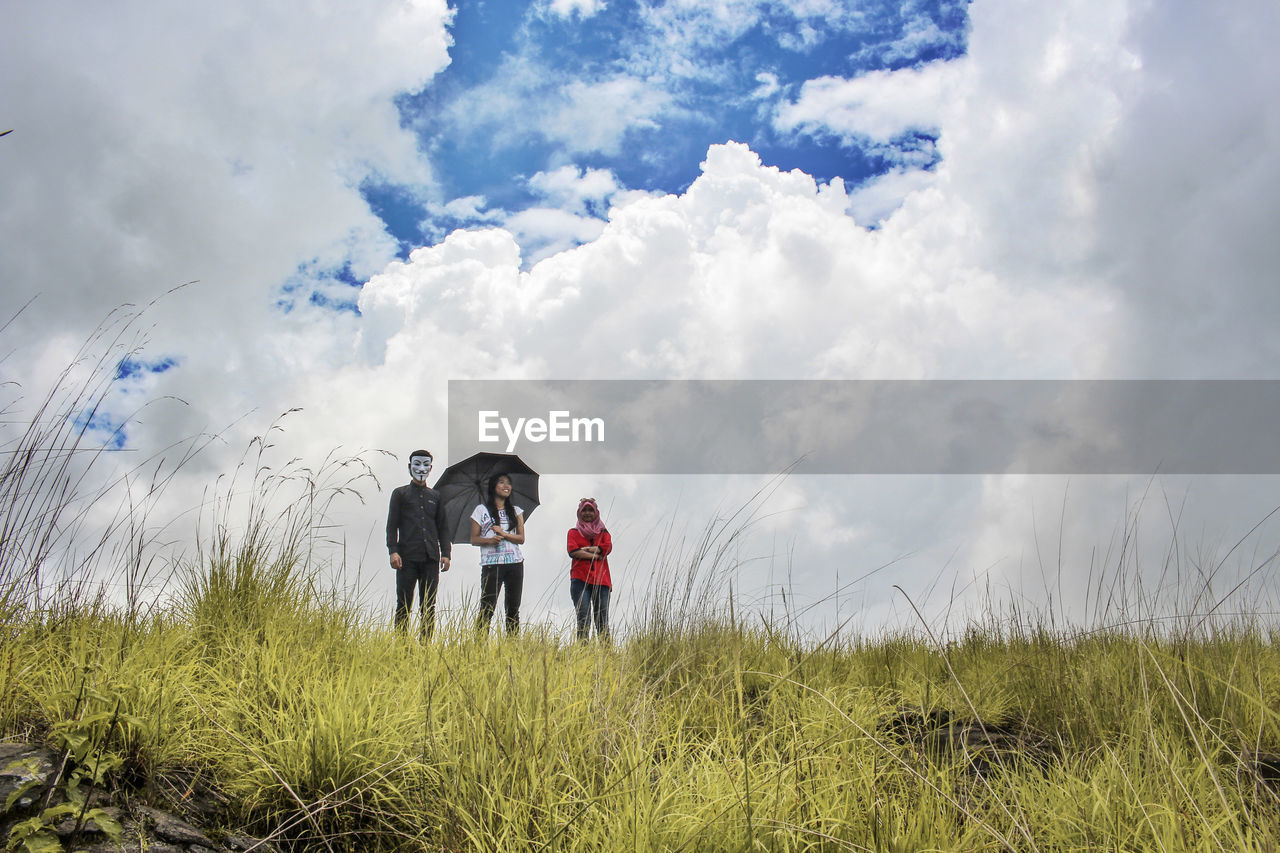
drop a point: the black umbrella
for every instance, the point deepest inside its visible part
(465, 484)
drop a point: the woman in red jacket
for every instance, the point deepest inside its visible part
(589, 581)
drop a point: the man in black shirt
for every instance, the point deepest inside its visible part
(418, 541)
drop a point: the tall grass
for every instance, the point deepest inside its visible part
(329, 731)
(53, 480)
(265, 549)
(700, 730)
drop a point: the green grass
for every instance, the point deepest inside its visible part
(324, 729)
(317, 723)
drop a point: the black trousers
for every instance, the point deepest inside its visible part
(509, 576)
(425, 575)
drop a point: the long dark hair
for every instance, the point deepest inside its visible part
(491, 503)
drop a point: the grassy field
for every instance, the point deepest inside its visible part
(327, 731)
(314, 724)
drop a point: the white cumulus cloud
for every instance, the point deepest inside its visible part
(878, 105)
(1103, 208)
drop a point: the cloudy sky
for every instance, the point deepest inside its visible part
(368, 199)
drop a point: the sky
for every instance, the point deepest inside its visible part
(331, 211)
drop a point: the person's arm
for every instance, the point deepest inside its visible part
(577, 546)
(477, 539)
(393, 529)
(515, 538)
(444, 535)
(605, 543)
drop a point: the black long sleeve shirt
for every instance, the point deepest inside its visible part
(416, 528)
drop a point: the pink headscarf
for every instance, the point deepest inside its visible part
(596, 527)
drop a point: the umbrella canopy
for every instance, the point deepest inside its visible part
(465, 484)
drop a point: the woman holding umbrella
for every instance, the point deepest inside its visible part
(497, 526)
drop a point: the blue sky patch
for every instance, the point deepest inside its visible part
(102, 429)
(400, 211)
(131, 368)
(315, 283)
(640, 90)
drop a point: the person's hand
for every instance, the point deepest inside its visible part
(395, 562)
(498, 533)
(444, 564)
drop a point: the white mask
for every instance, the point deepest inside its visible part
(419, 468)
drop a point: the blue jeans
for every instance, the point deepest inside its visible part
(587, 597)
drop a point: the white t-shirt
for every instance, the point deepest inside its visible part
(504, 551)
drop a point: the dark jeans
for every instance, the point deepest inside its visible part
(425, 575)
(510, 576)
(586, 597)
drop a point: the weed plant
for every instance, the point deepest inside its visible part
(699, 730)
